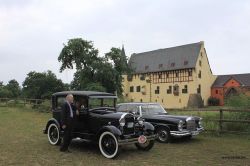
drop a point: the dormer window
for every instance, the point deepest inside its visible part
(185, 62)
(160, 66)
(172, 64)
(146, 67)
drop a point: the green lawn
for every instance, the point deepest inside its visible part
(23, 143)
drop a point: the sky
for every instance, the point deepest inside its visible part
(32, 32)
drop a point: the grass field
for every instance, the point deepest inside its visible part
(23, 143)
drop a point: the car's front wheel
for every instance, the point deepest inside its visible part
(53, 134)
(108, 145)
(163, 135)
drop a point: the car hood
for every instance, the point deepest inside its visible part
(179, 117)
(114, 115)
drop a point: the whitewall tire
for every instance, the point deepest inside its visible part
(108, 145)
(54, 134)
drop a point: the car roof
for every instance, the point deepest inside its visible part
(136, 103)
(84, 93)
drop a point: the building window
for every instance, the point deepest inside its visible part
(199, 75)
(146, 67)
(160, 66)
(200, 62)
(216, 91)
(138, 89)
(199, 89)
(131, 89)
(169, 90)
(160, 75)
(185, 62)
(141, 101)
(129, 78)
(190, 73)
(177, 74)
(185, 89)
(142, 77)
(176, 90)
(167, 75)
(157, 91)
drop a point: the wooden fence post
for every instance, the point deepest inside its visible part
(220, 121)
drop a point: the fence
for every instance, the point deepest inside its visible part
(220, 117)
(41, 105)
(221, 120)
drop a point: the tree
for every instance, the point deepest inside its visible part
(119, 61)
(14, 88)
(4, 92)
(92, 69)
(41, 85)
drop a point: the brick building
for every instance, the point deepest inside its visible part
(228, 85)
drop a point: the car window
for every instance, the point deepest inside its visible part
(132, 108)
(60, 101)
(101, 102)
(122, 108)
(143, 110)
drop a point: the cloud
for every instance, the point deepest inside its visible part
(32, 32)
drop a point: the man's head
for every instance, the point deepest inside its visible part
(70, 98)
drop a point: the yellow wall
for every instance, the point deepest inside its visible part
(170, 100)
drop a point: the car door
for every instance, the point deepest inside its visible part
(57, 103)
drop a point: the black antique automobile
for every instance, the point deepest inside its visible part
(166, 126)
(99, 122)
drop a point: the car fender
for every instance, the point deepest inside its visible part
(52, 120)
(110, 128)
(161, 125)
(148, 127)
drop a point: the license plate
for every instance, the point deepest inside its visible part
(142, 139)
(130, 125)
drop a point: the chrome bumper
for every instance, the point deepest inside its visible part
(134, 140)
(184, 133)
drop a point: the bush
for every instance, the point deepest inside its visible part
(212, 101)
(241, 101)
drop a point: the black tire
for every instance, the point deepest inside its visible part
(54, 134)
(108, 145)
(146, 146)
(163, 135)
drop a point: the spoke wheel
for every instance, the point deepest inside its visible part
(53, 134)
(108, 145)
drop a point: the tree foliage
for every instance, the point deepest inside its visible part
(41, 85)
(93, 72)
(11, 90)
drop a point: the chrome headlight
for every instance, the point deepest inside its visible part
(180, 125)
(140, 120)
(122, 122)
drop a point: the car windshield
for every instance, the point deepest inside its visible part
(153, 109)
(101, 102)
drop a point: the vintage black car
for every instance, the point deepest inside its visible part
(166, 126)
(100, 123)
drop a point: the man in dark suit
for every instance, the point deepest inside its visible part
(67, 121)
